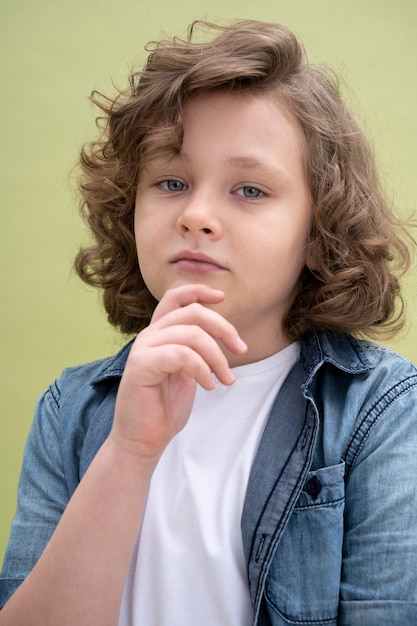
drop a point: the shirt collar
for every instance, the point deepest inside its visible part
(113, 367)
(341, 350)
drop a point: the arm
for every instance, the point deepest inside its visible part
(81, 574)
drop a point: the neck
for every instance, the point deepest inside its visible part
(258, 349)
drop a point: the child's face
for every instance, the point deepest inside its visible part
(232, 211)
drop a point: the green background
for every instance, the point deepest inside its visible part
(52, 55)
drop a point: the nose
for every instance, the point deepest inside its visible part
(199, 218)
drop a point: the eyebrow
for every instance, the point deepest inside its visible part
(251, 163)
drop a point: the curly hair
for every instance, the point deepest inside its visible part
(356, 249)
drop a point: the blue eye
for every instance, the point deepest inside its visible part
(172, 185)
(250, 192)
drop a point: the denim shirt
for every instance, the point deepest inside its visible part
(329, 525)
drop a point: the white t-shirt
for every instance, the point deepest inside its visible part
(188, 566)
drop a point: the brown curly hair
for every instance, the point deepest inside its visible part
(356, 246)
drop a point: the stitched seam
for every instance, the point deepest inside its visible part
(319, 506)
(55, 394)
(278, 531)
(326, 620)
(410, 385)
(272, 543)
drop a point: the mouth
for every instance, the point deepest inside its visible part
(196, 262)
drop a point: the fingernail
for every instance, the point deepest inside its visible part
(242, 345)
(230, 378)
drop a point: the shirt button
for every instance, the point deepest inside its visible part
(313, 487)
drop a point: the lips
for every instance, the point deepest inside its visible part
(196, 261)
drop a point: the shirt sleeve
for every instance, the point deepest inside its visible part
(379, 571)
(42, 495)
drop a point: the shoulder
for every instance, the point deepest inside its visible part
(361, 375)
(360, 390)
(386, 360)
(90, 379)
(77, 410)
(340, 356)
(387, 408)
(389, 376)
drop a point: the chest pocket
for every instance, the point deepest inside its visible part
(304, 579)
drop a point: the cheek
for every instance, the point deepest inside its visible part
(152, 273)
(150, 276)
(285, 257)
(145, 230)
(142, 248)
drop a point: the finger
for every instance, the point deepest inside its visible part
(210, 321)
(161, 361)
(184, 295)
(194, 337)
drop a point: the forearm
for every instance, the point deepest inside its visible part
(80, 577)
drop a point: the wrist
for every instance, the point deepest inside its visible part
(127, 457)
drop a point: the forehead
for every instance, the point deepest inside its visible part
(243, 128)
(260, 108)
(250, 128)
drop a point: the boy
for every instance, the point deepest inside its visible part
(243, 460)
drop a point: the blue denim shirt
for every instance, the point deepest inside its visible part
(329, 525)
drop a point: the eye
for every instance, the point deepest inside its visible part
(250, 192)
(172, 185)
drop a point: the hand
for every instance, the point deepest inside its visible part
(180, 348)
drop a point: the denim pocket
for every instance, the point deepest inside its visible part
(303, 582)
